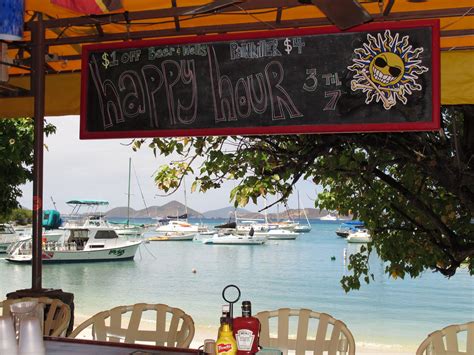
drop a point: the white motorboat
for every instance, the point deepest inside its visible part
(360, 236)
(7, 237)
(348, 227)
(279, 234)
(328, 217)
(128, 231)
(180, 226)
(235, 239)
(78, 244)
(201, 236)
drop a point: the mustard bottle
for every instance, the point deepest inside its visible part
(225, 344)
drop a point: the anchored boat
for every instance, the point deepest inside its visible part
(173, 236)
(7, 237)
(236, 239)
(360, 236)
(78, 244)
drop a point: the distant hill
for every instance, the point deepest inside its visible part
(312, 213)
(172, 208)
(225, 212)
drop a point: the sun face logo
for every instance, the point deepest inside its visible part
(387, 69)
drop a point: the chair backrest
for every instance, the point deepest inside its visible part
(301, 330)
(448, 341)
(57, 314)
(169, 326)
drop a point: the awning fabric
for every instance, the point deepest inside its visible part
(63, 81)
(63, 90)
(457, 77)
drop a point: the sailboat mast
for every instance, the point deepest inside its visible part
(185, 199)
(265, 211)
(298, 193)
(128, 194)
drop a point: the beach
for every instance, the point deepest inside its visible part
(386, 317)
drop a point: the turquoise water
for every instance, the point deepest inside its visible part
(296, 273)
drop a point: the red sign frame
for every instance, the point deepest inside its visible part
(432, 125)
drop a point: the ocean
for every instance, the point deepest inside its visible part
(388, 315)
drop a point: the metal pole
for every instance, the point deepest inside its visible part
(38, 88)
(128, 201)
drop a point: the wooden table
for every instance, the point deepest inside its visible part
(62, 346)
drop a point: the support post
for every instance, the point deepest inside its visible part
(38, 88)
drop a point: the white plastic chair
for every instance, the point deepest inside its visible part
(172, 327)
(330, 336)
(56, 317)
(447, 341)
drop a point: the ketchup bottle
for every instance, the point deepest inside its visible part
(246, 331)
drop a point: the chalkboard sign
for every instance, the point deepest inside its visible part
(379, 77)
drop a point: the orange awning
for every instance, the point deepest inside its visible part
(68, 31)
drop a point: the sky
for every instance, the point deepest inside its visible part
(98, 169)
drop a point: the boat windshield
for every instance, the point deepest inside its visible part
(106, 234)
(79, 237)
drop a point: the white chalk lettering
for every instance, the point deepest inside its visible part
(252, 50)
(180, 73)
(230, 101)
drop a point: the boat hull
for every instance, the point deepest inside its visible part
(122, 253)
(359, 237)
(280, 235)
(235, 240)
(302, 229)
(359, 240)
(170, 237)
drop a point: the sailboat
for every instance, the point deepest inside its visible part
(127, 230)
(278, 231)
(178, 229)
(302, 228)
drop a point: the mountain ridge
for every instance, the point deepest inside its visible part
(175, 208)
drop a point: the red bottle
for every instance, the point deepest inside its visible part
(246, 331)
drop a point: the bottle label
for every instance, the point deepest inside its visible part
(223, 348)
(244, 338)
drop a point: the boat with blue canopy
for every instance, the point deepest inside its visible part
(348, 227)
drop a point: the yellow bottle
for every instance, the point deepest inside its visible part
(225, 344)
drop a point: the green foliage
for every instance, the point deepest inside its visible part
(414, 191)
(18, 215)
(16, 159)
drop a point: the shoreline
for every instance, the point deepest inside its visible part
(203, 332)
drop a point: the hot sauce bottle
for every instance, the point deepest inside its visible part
(246, 331)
